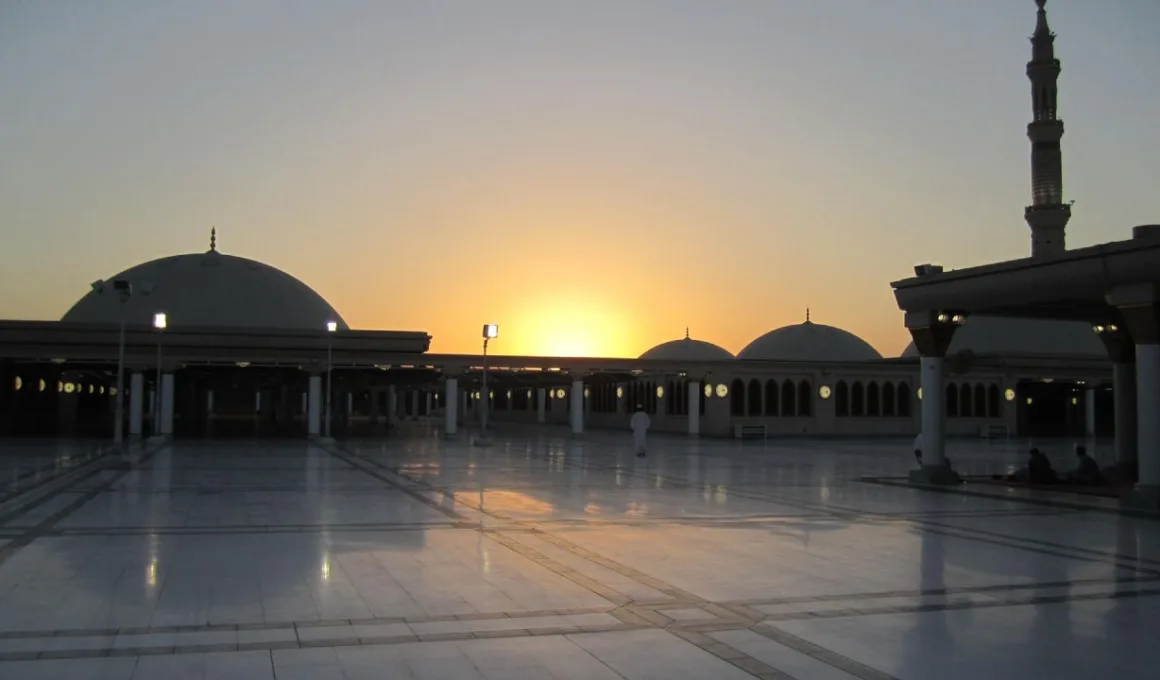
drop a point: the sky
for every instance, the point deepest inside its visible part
(592, 175)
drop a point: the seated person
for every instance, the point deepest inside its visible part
(1038, 470)
(1087, 472)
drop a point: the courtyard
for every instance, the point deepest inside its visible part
(544, 556)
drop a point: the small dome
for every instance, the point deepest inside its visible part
(210, 290)
(688, 349)
(1010, 337)
(809, 341)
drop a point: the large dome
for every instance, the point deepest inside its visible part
(1008, 337)
(809, 341)
(688, 349)
(210, 290)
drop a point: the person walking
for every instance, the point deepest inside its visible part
(639, 424)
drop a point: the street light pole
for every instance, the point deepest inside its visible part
(331, 326)
(490, 332)
(160, 322)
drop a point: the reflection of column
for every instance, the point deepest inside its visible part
(167, 404)
(1148, 414)
(450, 405)
(694, 408)
(933, 412)
(1124, 403)
(577, 406)
(392, 404)
(427, 403)
(541, 405)
(136, 403)
(314, 406)
(414, 404)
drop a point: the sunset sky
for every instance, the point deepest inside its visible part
(592, 175)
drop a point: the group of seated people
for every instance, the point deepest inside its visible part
(1039, 470)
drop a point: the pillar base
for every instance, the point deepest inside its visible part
(321, 439)
(933, 475)
(1142, 498)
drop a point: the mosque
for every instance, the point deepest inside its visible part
(249, 350)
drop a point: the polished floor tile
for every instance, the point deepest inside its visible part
(544, 556)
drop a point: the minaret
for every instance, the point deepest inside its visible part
(1048, 214)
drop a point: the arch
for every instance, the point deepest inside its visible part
(670, 398)
(873, 407)
(651, 396)
(737, 397)
(771, 400)
(980, 408)
(952, 395)
(788, 405)
(889, 400)
(753, 398)
(805, 402)
(904, 399)
(842, 398)
(994, 402)
(857, 399)
(965, 400)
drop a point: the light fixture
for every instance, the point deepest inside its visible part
(243, 364)
(722, 390)
(160, 321)
(529, 394)
(490, 331)
(331, 326)
(660, 392)
(1074, 401)
(586, 393)
(509, 394)
(491, 394)
(69, 388)
(1009, 394)
(1030, 400)
(825, 391)
(560, 394)
(92, 388)
(919, 393)
(619, 392)
(708, 390)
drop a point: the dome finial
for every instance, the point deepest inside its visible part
(686, 332)
(808, 315)
(213, 240)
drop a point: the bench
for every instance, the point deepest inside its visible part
(749, 432)
(993, 431)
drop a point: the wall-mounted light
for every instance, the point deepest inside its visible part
(660, 392)
(825, 391)
(619, 392)
(1009, 394)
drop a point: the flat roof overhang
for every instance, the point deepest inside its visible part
(1073, 286)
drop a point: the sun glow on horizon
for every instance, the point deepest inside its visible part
(583, 325)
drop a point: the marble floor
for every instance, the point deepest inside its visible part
(548, 557)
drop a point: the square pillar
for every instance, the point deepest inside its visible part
(577, 395)
(1124, 403)
(167, 382)
(392, 404)
(450, 406)
(414, 404)
(1148, 416)
(933, 411)
(694, 408)
(541, 405)
(314, 406)
(932, 332)
(1089, 411)
(136, 403)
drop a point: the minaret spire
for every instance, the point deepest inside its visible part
(213, 240)
(1048, 214)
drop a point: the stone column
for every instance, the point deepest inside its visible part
(932, 332)
(414, 404)
(541, 405)
(694, 408)
(427, 404)
(1148, 416)
(577, 406)
(167, 383)
(1139, 306)
(392, 405)
(314, 406)
(136, 403)
(1124, 403)
(1089, 411)
(450, 405)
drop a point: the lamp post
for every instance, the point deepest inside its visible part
(160, 322)
(331, 327)
(490, 332)
(124, 291)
